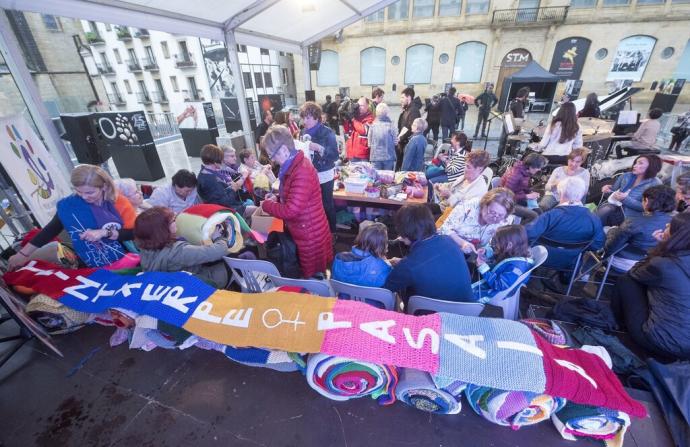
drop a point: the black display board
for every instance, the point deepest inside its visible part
(86, 138)
(569, 57)
(231, 114)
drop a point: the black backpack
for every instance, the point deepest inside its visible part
(282, 252)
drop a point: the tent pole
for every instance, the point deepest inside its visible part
(305, 66)
(233, 59)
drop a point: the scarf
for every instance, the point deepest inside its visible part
(312, 132)
(284, 169)
(78, 216)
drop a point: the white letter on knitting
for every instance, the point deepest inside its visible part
(467, 343)
(379, 329)
(419, 343)
(327, 322)
(126, 289)
(203, 312)
(85, 284)
(578, 369)
(238, 317)
(174, 299)
(150, 295)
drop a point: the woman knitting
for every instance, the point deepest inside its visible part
(96, 218)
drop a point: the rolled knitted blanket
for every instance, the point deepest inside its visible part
(593, 422)
(417, 389)
(549, 330)
(263, 358)
(512, 408)
(341, 379)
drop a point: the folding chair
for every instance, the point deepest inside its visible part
(422, 305)
(581, 247)
(376, 296)
(316, 287)
(599, 262)
(251, 275)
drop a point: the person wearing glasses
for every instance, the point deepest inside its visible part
(299, 202)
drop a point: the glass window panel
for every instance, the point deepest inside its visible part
(375, 17)
(450, 8)
(650, 2)
(372, 66)
(583, 3)
(469, 62)
(423, 8)
(328, 70)
(477, 6)
(615, 2)
(399, 10)
(683, 68)
(418, 63)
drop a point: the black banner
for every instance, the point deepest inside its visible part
(569, 57)
(314, 56)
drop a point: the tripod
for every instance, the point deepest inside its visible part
(492, 116)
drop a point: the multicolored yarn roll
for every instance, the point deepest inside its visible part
(592, 422)
(417, 389)
(263, 358)
(197, 224)
(548, 329)
(513, 409)
(341, 379)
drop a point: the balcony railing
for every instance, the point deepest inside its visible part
(159, 97)
(93, 38)
(149, 64)
(142, 33)
(194, 95)
(123, 34)
(184, 60)
(133, 66)
(143, 98)
(529, 16)
(105, 69)
(116, 99)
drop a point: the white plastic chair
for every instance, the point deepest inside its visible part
(251, 275)
(420, 305)
(383, 298)
(316, 287)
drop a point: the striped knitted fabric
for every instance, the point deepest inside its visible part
(417, 389)
(592, 422)
(549, 330)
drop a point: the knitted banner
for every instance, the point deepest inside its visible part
(489, 352)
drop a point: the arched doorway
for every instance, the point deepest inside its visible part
(513, 61)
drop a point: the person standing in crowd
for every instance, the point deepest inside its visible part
(283, 118)
(410, 112)
(680, 131)
(266, 120)
(652, 300)
(212, 186)
(300, 202)
(333, 116)
(376, 99)
(485, 102)
(561, 136)
(518, 179)
(518, 105)
(645, 138)
(433, 116)
(358, 143)
(414, 151)
(324, 150)
(325, 105)
(450, 109)
(179, 195)
(591, 107)
(382, 140)
(463, 111)
(435, 266)
(573, 168)
(683, 192)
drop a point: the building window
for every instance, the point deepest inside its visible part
(583, 3)
(193, 91)
(165, 49)
(375, 17)
(116, 52)
(650, 2)
(683, 68)
(284, 73)
(327, 75)
(418, 63)
(667, 52)
(258, 80)
(443, 58)
(108, 27)
(93, 27)
(681, 1)
(395, 60)
(423, 8)
(241, 48)
(477, 7)
(449, 8)
(173, 82)
(268, 80)
(399, 10)
(128, 87)
(372, 66)
(601, 53)
(616, 2)
(263, 51)
(247, 80)
(282, 53)
(51, 22)
(469, 62)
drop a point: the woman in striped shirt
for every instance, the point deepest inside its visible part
(454, 161)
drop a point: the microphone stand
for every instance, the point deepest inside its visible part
(492, 116)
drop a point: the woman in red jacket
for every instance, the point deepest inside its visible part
(299, 204)
(358, 144)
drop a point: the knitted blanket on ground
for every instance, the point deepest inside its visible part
(488, 352)
(417, 389)
(599, 423)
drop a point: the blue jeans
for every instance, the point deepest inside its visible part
(384, 165)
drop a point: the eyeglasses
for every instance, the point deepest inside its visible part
(495, 215)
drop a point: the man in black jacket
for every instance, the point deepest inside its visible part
(450, 110)
(333, 116)
(410, 112)
(486, 101)
(517, 106)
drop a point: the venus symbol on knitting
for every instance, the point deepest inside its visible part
(280, 321)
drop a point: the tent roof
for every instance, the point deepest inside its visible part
(287, 25)
(533, 72)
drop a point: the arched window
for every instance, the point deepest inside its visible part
(469, 62)
(683, 68)
(418, 62)
(372, 66)
(327, 76)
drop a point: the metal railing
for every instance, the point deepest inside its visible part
(115, 99)
(162, 124)
(149, 64)
(529, 16)
(133, 65)
(142, 33)
(143, 98)
(105, 68)
(184, 60)
(194, 95)
(93, 38)
(159, 97)
(123, 33)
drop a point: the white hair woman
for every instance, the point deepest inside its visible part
(128, 188)
(413, 158)
(383, 137)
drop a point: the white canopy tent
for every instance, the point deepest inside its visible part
(284, 25)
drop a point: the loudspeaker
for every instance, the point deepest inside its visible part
(310, 95)
(87, 141)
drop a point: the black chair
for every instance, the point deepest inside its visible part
(581, 248)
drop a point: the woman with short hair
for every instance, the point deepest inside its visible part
(383, 137)
(212, 186)
(574, 168)
(473, 183)
(413, 157)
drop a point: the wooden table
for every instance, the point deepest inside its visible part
(341, 194)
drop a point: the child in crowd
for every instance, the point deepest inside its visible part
(511, 258)
(365, 265)
(413, 158)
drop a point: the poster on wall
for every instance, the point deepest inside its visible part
(190, 115)
(631, 58)
(231, 114)
(220, 77)
(35, 172)
(273, 102)
(569, 57)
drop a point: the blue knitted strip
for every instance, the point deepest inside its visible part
(490, 352)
